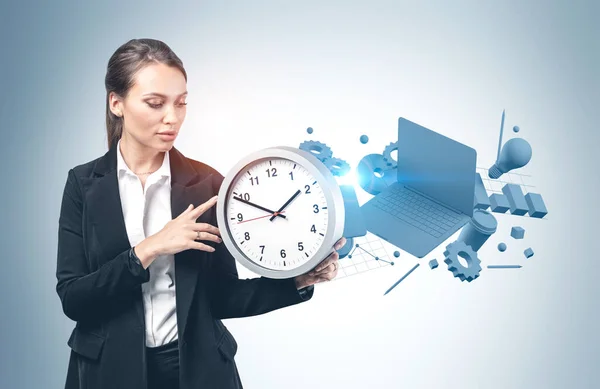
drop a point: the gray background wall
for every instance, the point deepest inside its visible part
(263, 71)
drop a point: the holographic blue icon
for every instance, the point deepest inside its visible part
(516, 129)
(318, 149)
(357, 246)
(499, 203)
(338, 167)
(517, 232)
(309, 130)
(345, 250)
(354, 223)
(364, 139)
(481, 201)
(515, 153)
(516, 199)
(374, 175)
(457, 250)
(401, 279)
(502, 247)
(387, 155)
(433, 264)
(536, 205)
(397, 254)
(528, 253)
(481, 226)
(424, 206)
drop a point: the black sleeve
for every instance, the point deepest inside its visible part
(232, 297)
(85, 294)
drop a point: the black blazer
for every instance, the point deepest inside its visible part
(101, 291)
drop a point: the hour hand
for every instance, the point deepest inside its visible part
(286, 204)
(259, 207)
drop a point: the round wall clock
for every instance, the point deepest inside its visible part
(280, 211)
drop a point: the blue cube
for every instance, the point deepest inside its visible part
(536, 205)
(528, 253)
(433, 263)
(499, 203)
(518, 204)
(517, 232)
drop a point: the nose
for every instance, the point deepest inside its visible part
(171, 116)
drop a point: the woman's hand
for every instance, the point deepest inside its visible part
(325, 271)
(180, 234)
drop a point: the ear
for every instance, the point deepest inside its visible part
(115, 104)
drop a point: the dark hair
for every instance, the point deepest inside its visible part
(125, 62)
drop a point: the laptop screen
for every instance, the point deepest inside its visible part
(436, 166)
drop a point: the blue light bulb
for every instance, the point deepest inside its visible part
(515, 153)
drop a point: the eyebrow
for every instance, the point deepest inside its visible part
(161, 95)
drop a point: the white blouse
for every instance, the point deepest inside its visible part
(146, 211)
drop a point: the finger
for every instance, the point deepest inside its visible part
(329, 268)
(206, 227)
(207, 236)
(187, 210)
(331, 258)
(200, 209)
(340, 243)
(201, 246)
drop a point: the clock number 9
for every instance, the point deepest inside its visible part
(282, 253)
(240, 217)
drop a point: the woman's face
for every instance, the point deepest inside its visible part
(154, 108)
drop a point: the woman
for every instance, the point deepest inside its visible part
(148, 291)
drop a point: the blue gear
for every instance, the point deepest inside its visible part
(387, 154)
(318, 149)
(452, 253)
(338, 167)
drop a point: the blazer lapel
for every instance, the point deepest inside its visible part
(187, 187)
(105, 215)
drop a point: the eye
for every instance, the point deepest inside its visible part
(154, 105)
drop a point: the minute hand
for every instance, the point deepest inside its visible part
(258, 206)
(286, 204)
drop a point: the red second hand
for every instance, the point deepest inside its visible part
(260, 217)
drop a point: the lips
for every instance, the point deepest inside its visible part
(168, 133)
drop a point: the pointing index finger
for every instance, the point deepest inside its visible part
(200, 209)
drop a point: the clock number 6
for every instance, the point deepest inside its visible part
(282, 253)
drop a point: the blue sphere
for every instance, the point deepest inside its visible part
(309, 130)
(502, 247)
(396, 254)
(516, 129)
(364, 139)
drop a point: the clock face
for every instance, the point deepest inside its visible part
(282, 241)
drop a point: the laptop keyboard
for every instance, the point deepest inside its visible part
(417, 210)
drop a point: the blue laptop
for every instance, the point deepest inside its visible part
(434, 193)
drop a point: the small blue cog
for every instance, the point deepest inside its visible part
(461, 249)
(338, 167)
(318, 149)
(387, 155)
